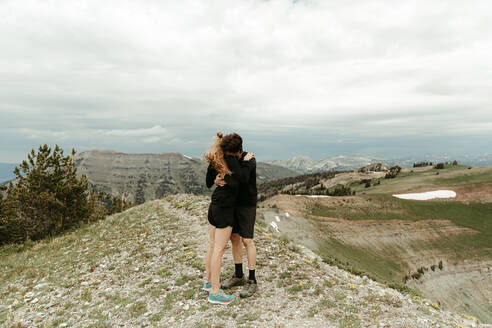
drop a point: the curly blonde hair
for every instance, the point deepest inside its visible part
(215, 156)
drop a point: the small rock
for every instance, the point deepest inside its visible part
(41, 286)
(84, 283)
(34, 300)
(63, 324)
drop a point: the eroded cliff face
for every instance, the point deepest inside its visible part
(464, 286)
(142, 177)
(393, 249)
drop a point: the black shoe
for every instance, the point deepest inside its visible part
(249, 289)
(232, 282)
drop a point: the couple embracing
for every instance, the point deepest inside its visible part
(231, 215)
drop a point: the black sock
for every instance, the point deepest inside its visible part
(239, 270)
(252, 275)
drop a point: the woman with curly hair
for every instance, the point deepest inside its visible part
(223, 158)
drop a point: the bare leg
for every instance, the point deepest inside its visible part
(249, 244)
(210, 250)
(222, 236)
(237, 248)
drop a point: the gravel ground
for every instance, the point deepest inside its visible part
(144, 268)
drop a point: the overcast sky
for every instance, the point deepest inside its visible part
(318, 78)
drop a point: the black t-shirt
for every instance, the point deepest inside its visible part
(226, 196)
(248, 192)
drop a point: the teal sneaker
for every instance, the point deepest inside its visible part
(220, 298)
(207, 286)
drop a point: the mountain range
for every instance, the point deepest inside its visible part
(305, 164)
(141, 177)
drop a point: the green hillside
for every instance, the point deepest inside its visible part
(476, 216)
(400, 241)
(422, 178)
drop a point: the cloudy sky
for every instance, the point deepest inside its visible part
(318, 78)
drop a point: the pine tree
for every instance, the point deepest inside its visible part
(47, 197)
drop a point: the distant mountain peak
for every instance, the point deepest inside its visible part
(304, 164)
(103, 151)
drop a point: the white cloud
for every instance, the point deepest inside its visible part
(152, 139)
(154, 131)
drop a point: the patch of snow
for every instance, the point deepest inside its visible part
(275, 226)
(428, 195)
(188, 157)
(314, 196)
(277, 218)
(287, 214)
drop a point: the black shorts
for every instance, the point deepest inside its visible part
(244, 221)
(220, 217)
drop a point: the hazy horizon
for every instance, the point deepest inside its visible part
(309, 77)
(417, 157)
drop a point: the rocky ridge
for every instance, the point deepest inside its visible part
(144, 268)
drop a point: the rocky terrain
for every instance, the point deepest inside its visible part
(142, 177)
(144, 268)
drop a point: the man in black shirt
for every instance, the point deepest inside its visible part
(243, 228)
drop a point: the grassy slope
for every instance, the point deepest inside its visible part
(451, 176)
(381, 205)
(144, 267)
(477, 216)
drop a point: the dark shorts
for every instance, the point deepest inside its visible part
(244, 221)
(220, 217)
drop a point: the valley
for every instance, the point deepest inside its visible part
(402, 241)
